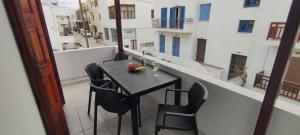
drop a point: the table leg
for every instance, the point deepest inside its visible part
(178, 94)
(134, 117)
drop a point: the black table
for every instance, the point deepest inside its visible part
(138, 84)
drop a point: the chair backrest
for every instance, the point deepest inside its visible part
(108, 99)
(196, 97)
(93, 71)
(121, 56)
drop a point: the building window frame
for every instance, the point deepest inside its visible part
(127, 11)
(246, 26)
(106, 32)
(205, 10)
(251, 3)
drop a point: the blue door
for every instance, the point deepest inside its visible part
(162, 43)
(181, 16)
(176, 46)
(164, 12)
(172, 17)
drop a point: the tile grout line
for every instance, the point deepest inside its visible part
(78, 113)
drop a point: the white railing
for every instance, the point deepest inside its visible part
(176, 23)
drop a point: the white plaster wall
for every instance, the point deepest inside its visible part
(19, 114)
(142, 22)
(71, 63)
(224, 40)
(52, 27)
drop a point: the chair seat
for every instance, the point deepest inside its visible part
(174, 122)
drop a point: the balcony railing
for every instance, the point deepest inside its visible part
(276, 30)
(171, 23)
(288, 89)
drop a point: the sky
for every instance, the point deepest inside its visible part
(69, 3)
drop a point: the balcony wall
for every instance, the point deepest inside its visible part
(71, 63)
(229, 110)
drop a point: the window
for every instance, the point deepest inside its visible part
(129, 33)
(148, 44)
(152, 13)
(162, 43)
(237, 65)
(127, 12)
(176, 46)
(106, 32)
(204, 12)
(112, 13)
(251, 3)
(246, 26)
(113, 34)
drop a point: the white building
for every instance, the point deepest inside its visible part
(136, 23)
(58, 18)
(213, 34)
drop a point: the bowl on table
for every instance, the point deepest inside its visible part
(135, 68)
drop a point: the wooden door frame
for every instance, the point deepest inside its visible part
(13, 12)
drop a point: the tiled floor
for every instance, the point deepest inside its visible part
(80, 123)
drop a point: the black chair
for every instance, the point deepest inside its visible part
(181, 117)
(96, 76)
(118, 57)
(111, 101)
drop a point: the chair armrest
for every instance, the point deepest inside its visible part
(102, 87)
(99, 80)
(107, 61)
(173, 90)
(175, 114)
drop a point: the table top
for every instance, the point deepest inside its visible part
(137, 83)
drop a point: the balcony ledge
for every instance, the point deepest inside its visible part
(276, 42)
(173, 30)
(281, 103)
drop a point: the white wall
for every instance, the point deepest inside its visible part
(52, 27)
(71, 63)
(227, 112)
(19, 114)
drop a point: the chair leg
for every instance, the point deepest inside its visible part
(196, 127)
(89, 106)
(119, 124)
(140, 119)
(156, 130)
(95, 120)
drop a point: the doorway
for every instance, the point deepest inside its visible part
(292, 74)
(201, 48)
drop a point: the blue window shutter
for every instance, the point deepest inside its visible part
(164, 12)
(205, 12)
(172, 17)
(176, 46)
(162, 43)
(182, 16)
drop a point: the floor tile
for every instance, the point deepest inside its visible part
(72, 115)
(75, 127)
(101, 130)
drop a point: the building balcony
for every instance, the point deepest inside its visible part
(275, 34)
(226, 103)
(289, 89)
(180, 25)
